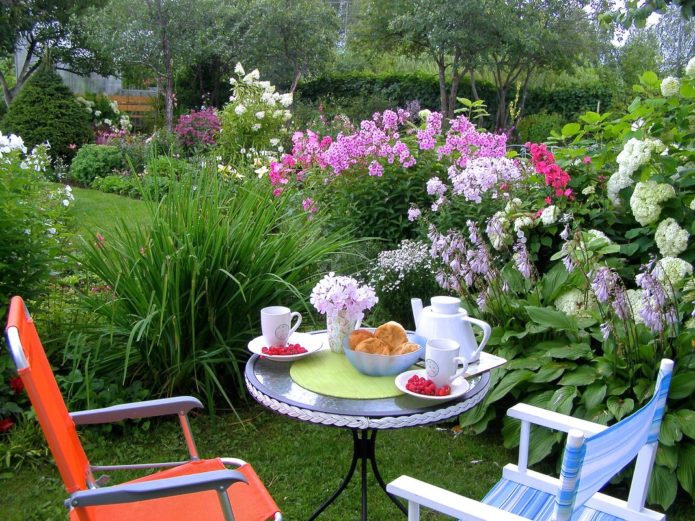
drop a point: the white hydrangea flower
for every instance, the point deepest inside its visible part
(634, 154)
(574, 302)
(692, 204)
(646, 200)
(97, 113)
(252, 76)
(287, 115)
(634, 297)
(239, 109)
(591, 189)
(522, 222)
(268, 99)
(672, 270)
(286, 99)
(671, 239)
(424, 114)
(690, 68)
(670, 86)
(549, 215)
(496, 230)
(238, 69)
(598, 234)
(513, 205)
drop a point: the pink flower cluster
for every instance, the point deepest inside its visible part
(105, 136)
(555, 177)
(464, 142)
(199, 128)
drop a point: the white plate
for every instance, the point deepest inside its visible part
(311, 343)
(458, 387)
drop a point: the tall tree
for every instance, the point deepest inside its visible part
(289, 39)
(676, 38)
(37, 27)
(158, 35)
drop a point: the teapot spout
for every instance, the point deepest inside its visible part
(416, 304)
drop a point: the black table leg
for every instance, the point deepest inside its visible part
(363, 449)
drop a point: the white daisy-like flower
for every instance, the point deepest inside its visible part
(239, 109)
(260, 114)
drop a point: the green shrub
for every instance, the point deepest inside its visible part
(162, 143)
(116, 184)
(186, 291)
(166, 166)
(94, 161)
(46, 110)
(32, 217)
(536, 128)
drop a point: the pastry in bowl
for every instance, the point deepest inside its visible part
(385, 351)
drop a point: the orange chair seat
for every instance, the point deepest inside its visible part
(249, 502)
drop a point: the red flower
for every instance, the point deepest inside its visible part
(16, 385)
(6, 425)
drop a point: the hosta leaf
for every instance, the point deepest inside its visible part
(600, 415)
(563, 399)
(511, 429)
(552, 282)
(540, 400)
(542, 442)
(620, 407)
(643, 389)
(525, 363)
(548, 373)
(594, 395)
(670, 430)
(667, 457)
(570, 352)
(508, 382)
(686, 420)
(513, 334)
(682, 386)
(604, 367)
(583, 375)
(686, 467)
(551, 318)
(662, 487)
(474, 415)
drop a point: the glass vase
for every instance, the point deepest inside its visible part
(338, 328)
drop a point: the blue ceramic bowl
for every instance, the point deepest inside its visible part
(383, 365)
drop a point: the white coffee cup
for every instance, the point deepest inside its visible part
(276, 324)
(442, 361)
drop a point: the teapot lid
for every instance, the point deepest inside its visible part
(446, 305)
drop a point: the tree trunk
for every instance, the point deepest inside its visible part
(501, 107)
(522, 102)
(474, 88)
(443, 98)
(295, 80)
(455, 79)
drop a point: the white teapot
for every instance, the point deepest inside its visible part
(446, 319)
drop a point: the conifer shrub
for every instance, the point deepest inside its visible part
(46, 110)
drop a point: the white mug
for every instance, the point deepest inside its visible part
(276, 325)
(442, 361)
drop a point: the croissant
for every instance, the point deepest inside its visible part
(405, 348)
(392, 334)
(373, 346)
(357, 336)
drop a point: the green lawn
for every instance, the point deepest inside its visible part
(99, 212)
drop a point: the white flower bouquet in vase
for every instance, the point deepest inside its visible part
(343, 300)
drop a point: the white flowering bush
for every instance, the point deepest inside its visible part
(646, 200)
(32, 218)
(105, 115)
(254, 121)
(671, 239)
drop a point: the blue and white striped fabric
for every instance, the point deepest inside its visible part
(585, 469)
(533, 504)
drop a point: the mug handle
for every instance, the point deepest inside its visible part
(487, 331)
(297, 324)
(460, 372)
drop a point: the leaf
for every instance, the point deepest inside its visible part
(667, 457)
(552, 282)
(551, 318)
(682, 386)
(687, 90)
(571, 129)
(570, 352)
(594, 395)
(649, 79)
(590, 117)
(508, 382)
(541, 443)
(670, 430)
(629, 249)
(686, 467)
(583, 375)
(548, 373)
(620, 407)
(686, 420)
(662, 487)
(525, 363)
(563, 399)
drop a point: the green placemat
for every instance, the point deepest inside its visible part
(333, 375)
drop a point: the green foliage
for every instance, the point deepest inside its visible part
(32, 219)
(94, 161)
(117, 184)
(536, 128)
(186, 290)
(46, 110)
(166, 166)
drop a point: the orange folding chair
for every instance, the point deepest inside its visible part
(204, 489)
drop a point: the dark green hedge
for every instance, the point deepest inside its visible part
(402, 88)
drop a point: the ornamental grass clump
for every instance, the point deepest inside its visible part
(185, 291)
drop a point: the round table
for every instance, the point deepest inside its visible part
(270, 384)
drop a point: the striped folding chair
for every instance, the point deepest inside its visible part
(593, 455)
(203, 489)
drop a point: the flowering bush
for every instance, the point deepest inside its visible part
(107, 120)
(340, 295)
(198, 129)
(32, 218)
(255, 116)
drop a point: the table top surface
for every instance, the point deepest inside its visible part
(270, 384)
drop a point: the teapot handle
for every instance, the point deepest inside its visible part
(487, 331)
